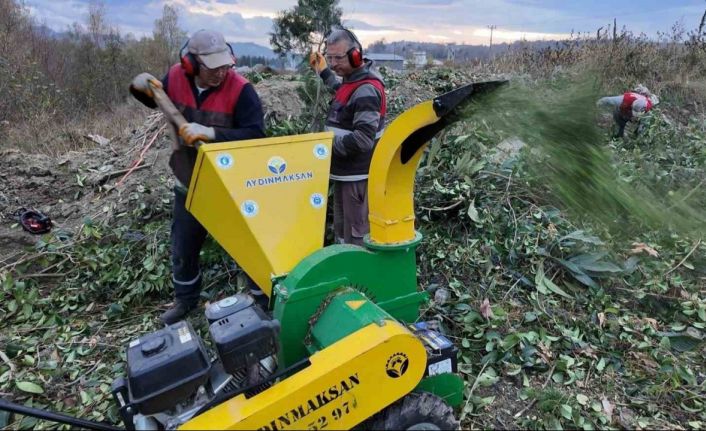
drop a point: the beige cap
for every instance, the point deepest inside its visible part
(211, 48)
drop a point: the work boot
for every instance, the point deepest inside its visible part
(176, 313)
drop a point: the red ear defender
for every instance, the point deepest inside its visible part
(190, 65)
(355, 54)
(188, 61)
(355, 57)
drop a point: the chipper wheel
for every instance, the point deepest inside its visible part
(415, 411)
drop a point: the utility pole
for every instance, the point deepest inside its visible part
(490, 49)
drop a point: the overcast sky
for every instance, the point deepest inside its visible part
(461, 21)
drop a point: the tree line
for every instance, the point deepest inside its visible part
(86, 68)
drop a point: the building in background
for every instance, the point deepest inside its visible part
(420, 58)
(392, 61)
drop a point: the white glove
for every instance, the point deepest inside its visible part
(142, 81)
(192, 132)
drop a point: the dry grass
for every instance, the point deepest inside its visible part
(56, 135)
(672, 66)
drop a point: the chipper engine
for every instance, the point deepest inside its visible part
(340, 344)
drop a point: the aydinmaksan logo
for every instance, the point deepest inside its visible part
(397, 365)
(276, 165)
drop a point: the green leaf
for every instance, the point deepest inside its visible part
(582, 399)
(473, 212)
(592, 262)
(30, 387)
(596, 406)
(600, 366)
(513, 369)
(115, 309)
(664, 343)
(488, 378)
(581, 236)
(85, 398)
(566, 411)
(148, 263)
(578, 274)
(510, 341)
(4, 419)
(545, 285)
(683, 341)
(602, 267)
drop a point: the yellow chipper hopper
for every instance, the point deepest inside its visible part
(341, 344)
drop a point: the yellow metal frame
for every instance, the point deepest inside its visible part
(391, 182)
(345, 384)
(264, 200)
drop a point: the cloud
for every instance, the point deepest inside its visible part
(357, 25)
(137, 17)
(233, 26)
(420, 20)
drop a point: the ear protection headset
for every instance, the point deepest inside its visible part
(190, 63)
(355, 54)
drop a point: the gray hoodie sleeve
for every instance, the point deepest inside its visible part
(330, 79)
(610, 101)
(366, 102)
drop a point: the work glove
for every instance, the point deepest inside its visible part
(142, 81)
(192, 132)
(317, 62)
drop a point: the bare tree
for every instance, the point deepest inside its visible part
(168, 35)
(96, 21)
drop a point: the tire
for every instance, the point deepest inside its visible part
(415, 411)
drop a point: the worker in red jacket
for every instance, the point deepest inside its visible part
(220, 106)
(631, 106)
(357, 118)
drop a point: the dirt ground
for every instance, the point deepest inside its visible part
(90, 184)
(76, 186)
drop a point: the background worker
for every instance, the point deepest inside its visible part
(220, 106)
(631, 106)
(357, 117)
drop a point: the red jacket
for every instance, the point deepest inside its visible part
(628, 99)
(216, 110)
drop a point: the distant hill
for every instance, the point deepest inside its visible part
(249, 49)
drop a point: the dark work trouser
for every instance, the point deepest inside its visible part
(621, 121)
(187, 239)
(350, 211)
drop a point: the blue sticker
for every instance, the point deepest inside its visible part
(249, 208)
(317, 200)
(320, 151)
(225, 161)
(276, 165)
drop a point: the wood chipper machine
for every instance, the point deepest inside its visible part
(341, 344)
